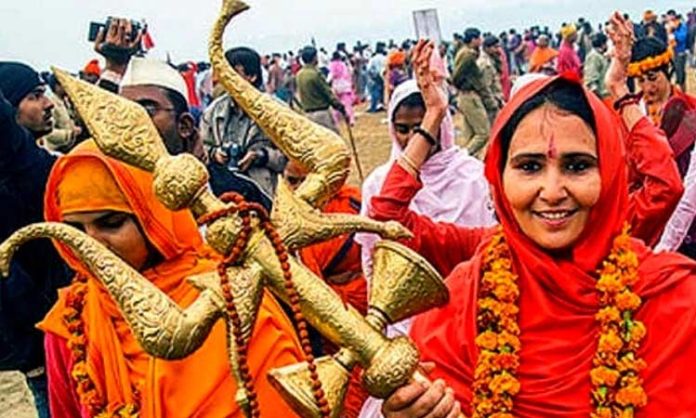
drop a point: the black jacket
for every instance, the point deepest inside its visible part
(37, 271)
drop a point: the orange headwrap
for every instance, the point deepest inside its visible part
(199, 385)
(92, 175)
(396, 58)
(92, 67)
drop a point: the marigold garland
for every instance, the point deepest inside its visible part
(498, 341)
(638, 68)
(77, 344)
(617, 389)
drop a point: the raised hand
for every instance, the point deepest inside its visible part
(620, 32)
(117, 44)
(426, 77)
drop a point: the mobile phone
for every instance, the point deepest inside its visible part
(94, 28)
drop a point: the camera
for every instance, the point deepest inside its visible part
(94, 28)
(234, 152)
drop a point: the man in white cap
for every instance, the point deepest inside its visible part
(161, 90)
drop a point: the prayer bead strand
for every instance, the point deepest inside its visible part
(244, 209)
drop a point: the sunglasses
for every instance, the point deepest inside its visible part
(405, 129)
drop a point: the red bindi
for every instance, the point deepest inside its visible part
(552, 151)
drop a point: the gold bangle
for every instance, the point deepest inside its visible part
(410, 163)
(405, 166)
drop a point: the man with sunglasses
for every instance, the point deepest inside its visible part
(162, 91)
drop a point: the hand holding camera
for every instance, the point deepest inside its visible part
(117, 41)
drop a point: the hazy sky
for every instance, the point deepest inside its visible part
(54, 32)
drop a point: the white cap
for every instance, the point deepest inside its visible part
(523, 80)
(145, 71)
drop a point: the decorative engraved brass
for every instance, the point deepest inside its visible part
(396, 270)
(123, 130)
(294, 384)
(403, 285)
(300, 224)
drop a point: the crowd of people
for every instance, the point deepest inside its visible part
(561, 216)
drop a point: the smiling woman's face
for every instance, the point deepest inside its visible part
(551, 177)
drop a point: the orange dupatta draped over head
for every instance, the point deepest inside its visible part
(558, 299)
(198, 385)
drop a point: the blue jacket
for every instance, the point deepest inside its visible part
(680, 36)
(36, 271)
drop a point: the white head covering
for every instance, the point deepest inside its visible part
(523, 80)
(145, 71)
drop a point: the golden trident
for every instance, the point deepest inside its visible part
(403, 283)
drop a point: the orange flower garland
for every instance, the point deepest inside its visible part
(77, 344)
(617, 389)
(495, 383)
(638, 68)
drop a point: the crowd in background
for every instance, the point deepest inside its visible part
(365, 73)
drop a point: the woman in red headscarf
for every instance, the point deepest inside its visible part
(557, 312)
(95, 365)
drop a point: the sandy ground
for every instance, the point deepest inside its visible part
(373, 146)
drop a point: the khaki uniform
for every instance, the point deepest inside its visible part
(476, 101)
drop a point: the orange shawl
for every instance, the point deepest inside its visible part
(201, 385)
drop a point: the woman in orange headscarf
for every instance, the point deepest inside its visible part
(557, 312)
(95, 365)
